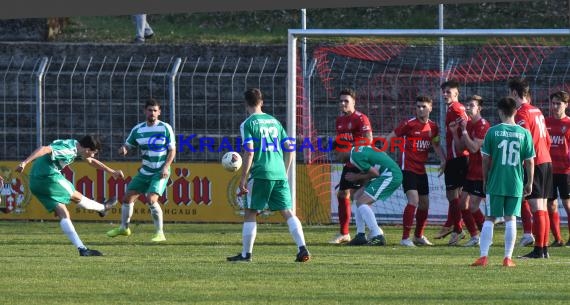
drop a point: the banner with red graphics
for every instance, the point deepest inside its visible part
(196, 192)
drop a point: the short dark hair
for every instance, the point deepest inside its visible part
(253, 97)
(478, 99)
(152, 102)
(423, 99)
(562, 96)
(90, 141)
(520, 86)
(507, 105)
(450, 84)
(348, 91)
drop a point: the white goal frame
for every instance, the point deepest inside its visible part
(294, 34)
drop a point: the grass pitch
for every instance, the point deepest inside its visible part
(40, 266)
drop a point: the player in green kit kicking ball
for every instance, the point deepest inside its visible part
(55, 192)
(265, 141)
(380, 176)
(504, 149)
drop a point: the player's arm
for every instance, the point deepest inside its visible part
(102, 166)
(368, 136)
(366, 129)
(529, 170)
(438, 150)
(40, 151)
(288, 156)
(364, 176)
(129, 143)
(486, 166)
(457, 142)
(473, 145)
(169, 159)
(246, 167)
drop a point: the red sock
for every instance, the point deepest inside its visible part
(555, 225)
(469, 222)
(526, 217)
(408, 220)
(456, 215)
(538, 228)
(546, 232)
(421, 220)
(449, 222)
(344, 214)
(479, 219)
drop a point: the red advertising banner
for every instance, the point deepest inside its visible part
(196, 192)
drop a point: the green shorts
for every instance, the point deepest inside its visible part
(144, 184)
(274, 194)
(382, 187)
(504, 206)
(52, 190)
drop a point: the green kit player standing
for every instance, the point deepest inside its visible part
(504, 149)
(264, 141)
(157, 143)
(55, 192)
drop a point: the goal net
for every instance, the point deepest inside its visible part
(388, 72)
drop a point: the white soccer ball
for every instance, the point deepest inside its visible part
(231, 161)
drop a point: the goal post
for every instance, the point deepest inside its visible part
(293, 96)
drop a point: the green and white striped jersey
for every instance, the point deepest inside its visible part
(64, 152)
(154, 143)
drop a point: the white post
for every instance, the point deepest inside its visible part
(292, 111)
(442, 109)
(40, 102)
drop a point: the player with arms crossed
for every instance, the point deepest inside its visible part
(158, 147)
(379, 176)
(264, 143)
(355, 127)
(456, 165)
(559, 129)
(504, 149)
(420, 134)
(55, 192)
(472, 134)
(531, 118)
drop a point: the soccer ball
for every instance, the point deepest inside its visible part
(231, 161)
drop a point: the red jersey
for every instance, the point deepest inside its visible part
(559, 130)
(476, 130)
(418, 138)
(455, 113)
(353, 126)
(531, 118)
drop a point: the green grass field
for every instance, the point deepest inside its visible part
(40, 266)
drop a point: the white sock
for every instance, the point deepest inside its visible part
(69, 230)
(156, 213)
(360, 225)
(248, 233)
(296, 230)
(370, 220)
(486, 237)
(90, 204)
(510, 237)
(126, 214)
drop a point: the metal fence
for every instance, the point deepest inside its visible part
(46, 98)
(49, 98)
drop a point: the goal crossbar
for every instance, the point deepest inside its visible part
(294, 34)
